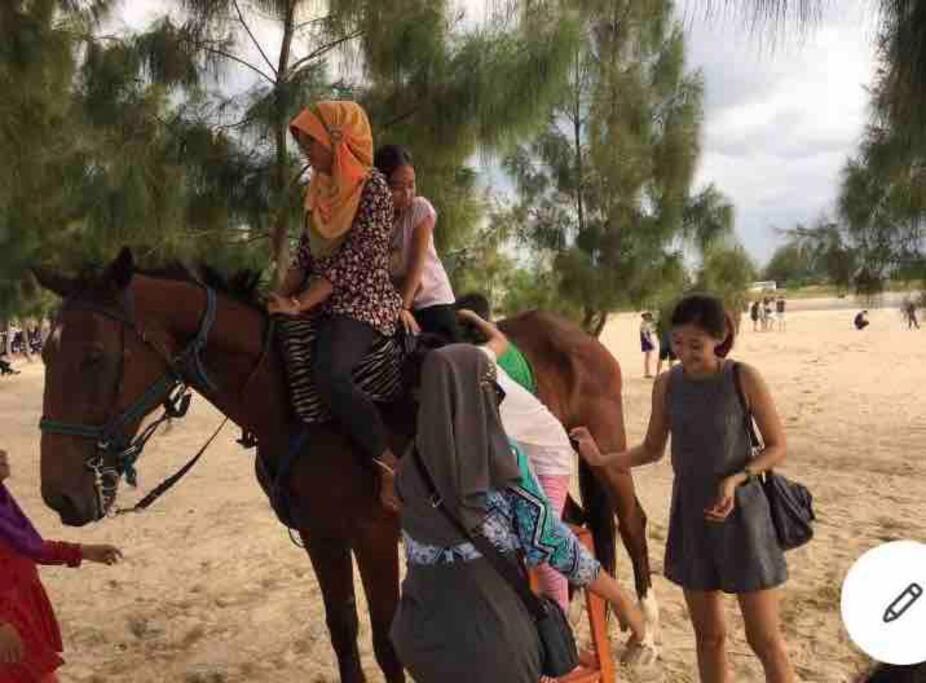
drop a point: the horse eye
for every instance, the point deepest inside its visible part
(93, 357)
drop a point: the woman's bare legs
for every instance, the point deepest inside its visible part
(706, 611)
(763, 633)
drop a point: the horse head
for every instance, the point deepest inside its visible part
(98, 362)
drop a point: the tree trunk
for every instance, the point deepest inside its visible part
(279, 235)
(27, 348)
(577, 140)
(599, 325)
(588, 317)
(8, 345)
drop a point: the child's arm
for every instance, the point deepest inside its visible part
(72, 554)
(497, 341)
(652, 448)
(421, 238)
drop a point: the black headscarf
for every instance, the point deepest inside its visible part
(460, 441)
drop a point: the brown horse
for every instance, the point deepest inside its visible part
(118, 334)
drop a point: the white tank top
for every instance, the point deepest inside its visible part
(435, 286)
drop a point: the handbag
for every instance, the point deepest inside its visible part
(558, 651)
(790, 503)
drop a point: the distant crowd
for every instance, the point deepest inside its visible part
(767, 313)
(20, 341)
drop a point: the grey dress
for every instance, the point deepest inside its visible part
(709, 442)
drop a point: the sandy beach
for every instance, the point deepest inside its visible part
(212, 589)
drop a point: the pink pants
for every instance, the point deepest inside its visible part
(552, 583)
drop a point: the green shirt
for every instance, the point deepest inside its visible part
(515, 364)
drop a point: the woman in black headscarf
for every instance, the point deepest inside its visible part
(458, 620)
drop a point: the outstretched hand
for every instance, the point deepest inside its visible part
(103, 554)
(585, 443)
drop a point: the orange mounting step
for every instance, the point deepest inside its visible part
(596, 664)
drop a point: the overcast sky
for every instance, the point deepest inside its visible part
(780, 118)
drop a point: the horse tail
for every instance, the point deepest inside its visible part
(599, 517)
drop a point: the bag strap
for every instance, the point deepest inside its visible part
(741, 395)
(505, 568)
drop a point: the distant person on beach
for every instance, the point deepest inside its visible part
(6, 368)
(909, 309)
(754, 315)
(861, 320)
(780, 313)
(647, 344)
(721, 537)
(663, 335)
(30, 642)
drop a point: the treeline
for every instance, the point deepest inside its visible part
(174, 140)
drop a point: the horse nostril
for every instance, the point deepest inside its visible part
(66, 507)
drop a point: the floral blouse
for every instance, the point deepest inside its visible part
(520, 519)
(359, 269)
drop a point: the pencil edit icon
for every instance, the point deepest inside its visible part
(902, 602)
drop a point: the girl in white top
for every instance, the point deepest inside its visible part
(419, 275)
(541, 437)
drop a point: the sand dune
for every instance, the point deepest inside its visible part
(213, 590)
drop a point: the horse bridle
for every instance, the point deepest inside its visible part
(116, 452)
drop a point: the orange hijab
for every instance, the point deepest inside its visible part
(332, 200)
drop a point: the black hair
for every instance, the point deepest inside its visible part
(475, 302)
(478, 304)
(389, 158)
(707, 313)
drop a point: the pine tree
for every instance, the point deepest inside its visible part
(603, 191)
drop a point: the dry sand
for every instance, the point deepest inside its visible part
(212, 589)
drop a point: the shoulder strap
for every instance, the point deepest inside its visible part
(741, 395)
(505, 568)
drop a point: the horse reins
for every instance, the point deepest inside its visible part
(115, 454)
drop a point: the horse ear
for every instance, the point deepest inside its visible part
(54, 282)
(120, 271)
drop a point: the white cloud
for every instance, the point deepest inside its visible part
(780, 118)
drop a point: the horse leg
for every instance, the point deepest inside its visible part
(604, 419)
(334, 568)
(377, 553)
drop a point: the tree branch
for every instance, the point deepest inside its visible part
(253, 39)
(401, 117)
(318, 20)
(234, 58)
(314, 54)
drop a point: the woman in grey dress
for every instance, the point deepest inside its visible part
(721, 537)
(458, 621)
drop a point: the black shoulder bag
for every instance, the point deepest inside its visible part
(790, 503)
(559, 655)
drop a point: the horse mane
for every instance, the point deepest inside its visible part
(241, 285)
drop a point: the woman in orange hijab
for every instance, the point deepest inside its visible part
(341, 269)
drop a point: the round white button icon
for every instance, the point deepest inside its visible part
(884, 603)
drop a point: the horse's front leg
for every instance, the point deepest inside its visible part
(377, 552)
(333, 566)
